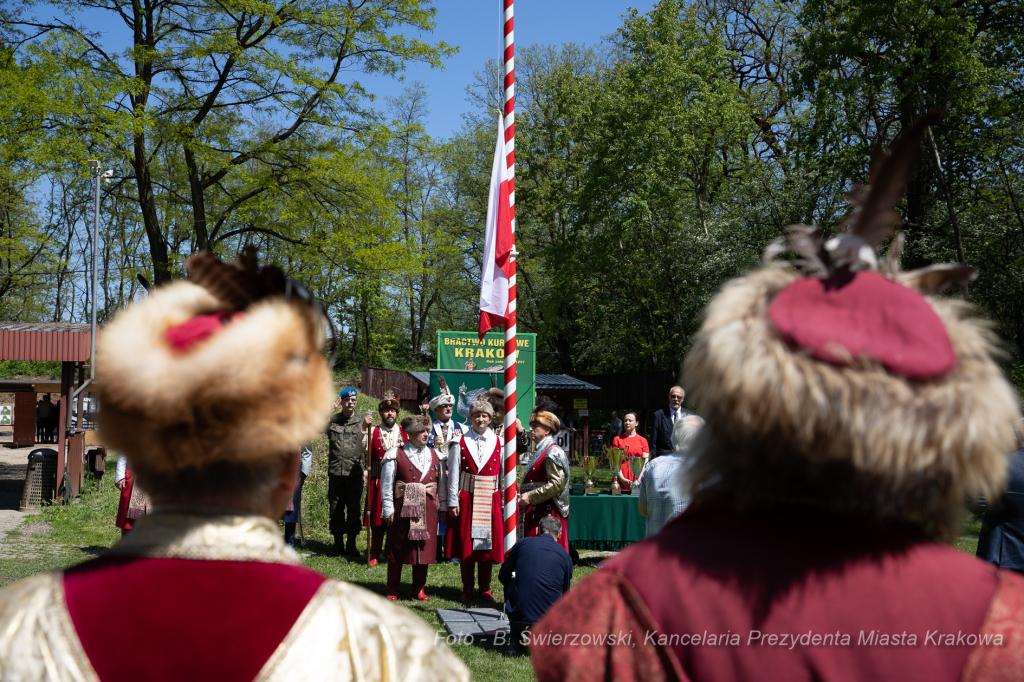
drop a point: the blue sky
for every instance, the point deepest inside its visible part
(474, 27)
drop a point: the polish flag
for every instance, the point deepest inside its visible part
(497, 244)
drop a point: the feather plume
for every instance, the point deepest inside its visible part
(937, 278)
(238, 284)
(875, 218)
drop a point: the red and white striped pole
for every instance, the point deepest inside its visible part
(510, 459)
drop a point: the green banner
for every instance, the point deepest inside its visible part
(464, 351)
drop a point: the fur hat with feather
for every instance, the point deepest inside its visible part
(842, 383)
(221, 367)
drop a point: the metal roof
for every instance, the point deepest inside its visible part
(62, 341)
(563, 381)
(44, 327)
(544, 381)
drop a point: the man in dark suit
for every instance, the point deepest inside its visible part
(1001, 541)
(535, 574)
(664, 421)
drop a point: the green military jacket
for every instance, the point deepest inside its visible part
(346, 444)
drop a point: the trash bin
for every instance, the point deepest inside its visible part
(40, 479)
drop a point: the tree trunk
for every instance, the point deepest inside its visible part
(198, 202)
(147, 203)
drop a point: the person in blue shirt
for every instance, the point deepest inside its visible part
(535, 575)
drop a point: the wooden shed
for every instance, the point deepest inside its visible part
(69, 344)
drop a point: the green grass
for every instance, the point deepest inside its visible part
(81, 530)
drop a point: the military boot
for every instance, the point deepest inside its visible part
(350, 546)
(337, 549)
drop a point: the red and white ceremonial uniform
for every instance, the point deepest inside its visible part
(475, 486)
(381, 439)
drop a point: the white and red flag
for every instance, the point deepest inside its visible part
(497, 267)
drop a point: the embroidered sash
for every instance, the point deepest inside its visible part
(414, 506)
(138, 504)
(481, 489)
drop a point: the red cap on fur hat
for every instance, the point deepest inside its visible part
(840, 383)
(247, 389)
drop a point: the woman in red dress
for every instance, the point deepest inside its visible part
(635, 446)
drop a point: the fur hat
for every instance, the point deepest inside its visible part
(481, 405)
(545, 419)
(416, 423)
(806, 401)
(389, 401)
(444, 398)
(202, 372)
(496, 397)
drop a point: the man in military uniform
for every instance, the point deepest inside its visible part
(346, 473)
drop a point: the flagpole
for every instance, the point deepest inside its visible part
(509, 461)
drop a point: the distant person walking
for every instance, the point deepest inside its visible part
(664, 421)
(664, 490)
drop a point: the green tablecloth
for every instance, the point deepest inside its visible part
(604, 522)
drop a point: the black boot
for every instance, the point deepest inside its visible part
(350, 547)
(337, 549)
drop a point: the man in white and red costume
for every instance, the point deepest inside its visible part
(545, 486)
(849, 412)
(444, 430)
(380, 439)
(413, 493)
(210, 387)
(474, 501)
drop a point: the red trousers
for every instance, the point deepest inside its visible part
(484, 570)
(419, 577)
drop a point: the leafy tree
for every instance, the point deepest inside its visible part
(238, 97)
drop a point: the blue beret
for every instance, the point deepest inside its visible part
(347, 392)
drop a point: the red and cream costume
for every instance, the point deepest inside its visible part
(380, 440)
(218, 598)
(546, 486)
(848, 415)
(134, 503)
(475, 487)
(412, 498)
(214, 379)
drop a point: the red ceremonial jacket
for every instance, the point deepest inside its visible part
(371, 517)
(786, 595)
(462, 543)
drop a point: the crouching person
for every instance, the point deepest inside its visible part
(411, 498)
(211, 387)
(535, 575)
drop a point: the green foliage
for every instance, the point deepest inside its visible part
(29, 368)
